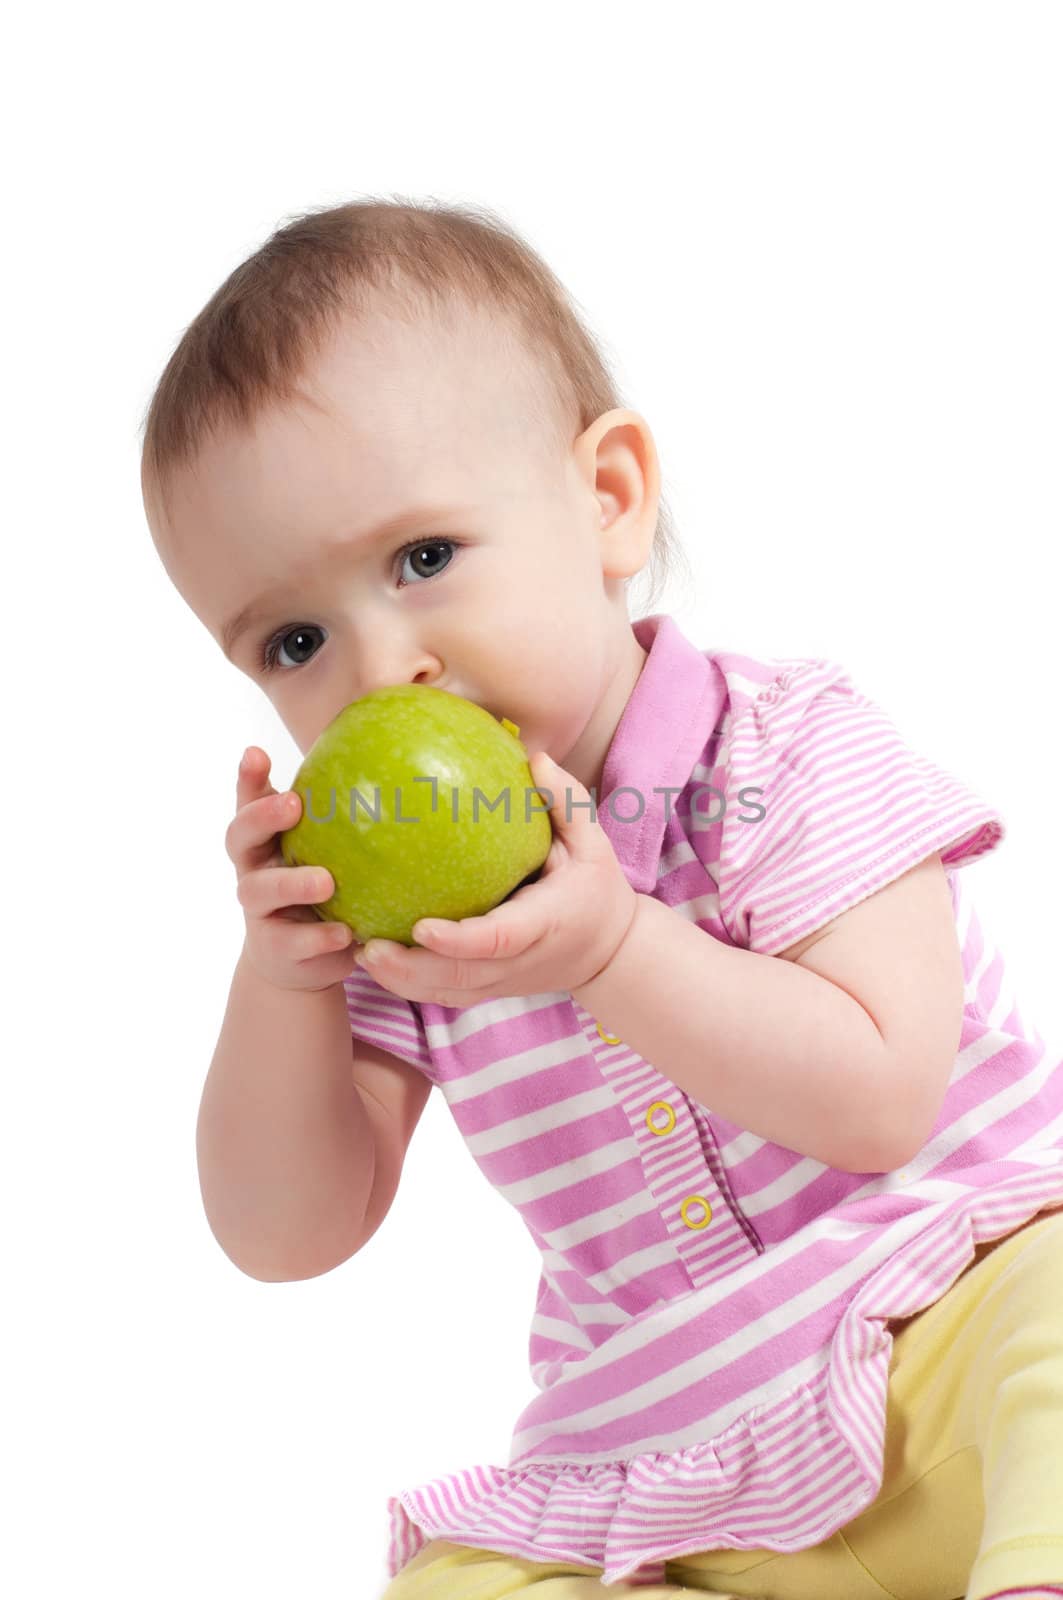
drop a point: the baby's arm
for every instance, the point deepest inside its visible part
(843, 1052)
(285, 1146)
(288, 1146)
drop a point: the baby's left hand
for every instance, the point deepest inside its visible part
(555, 933)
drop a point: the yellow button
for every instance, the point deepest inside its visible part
(696, 1200)
(610, 1038)
(649, 1117)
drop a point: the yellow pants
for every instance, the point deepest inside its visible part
(971, 1504)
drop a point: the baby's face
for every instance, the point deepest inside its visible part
(405, 522)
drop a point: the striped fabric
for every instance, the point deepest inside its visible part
(710, 1344)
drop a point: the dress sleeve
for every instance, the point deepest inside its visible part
(845, 807)
(385, 1019)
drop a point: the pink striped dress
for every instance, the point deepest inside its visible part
(710, 1343)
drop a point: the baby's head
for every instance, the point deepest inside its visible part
(386, 451)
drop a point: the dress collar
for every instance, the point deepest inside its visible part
(667, 722)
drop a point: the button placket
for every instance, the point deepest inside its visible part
(708, 1234)
(691, 1199)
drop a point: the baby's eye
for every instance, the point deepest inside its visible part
(434, 545)
(299, 636)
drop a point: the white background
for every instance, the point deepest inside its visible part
(822, 246)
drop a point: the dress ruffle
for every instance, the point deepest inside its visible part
(510, 1509)
(615, 1517)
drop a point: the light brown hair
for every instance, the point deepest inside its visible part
(253, 340)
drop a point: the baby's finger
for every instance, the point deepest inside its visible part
(252, 777)
(272, 888)
(251, 837)
(508, 930)
(301, 941)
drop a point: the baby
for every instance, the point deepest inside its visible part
(698, 1051)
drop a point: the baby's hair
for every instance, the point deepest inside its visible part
(252, 342)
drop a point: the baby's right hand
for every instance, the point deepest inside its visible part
(287, 943)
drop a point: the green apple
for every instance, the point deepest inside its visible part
(420, 804)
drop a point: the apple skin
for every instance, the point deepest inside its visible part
(415, 861)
